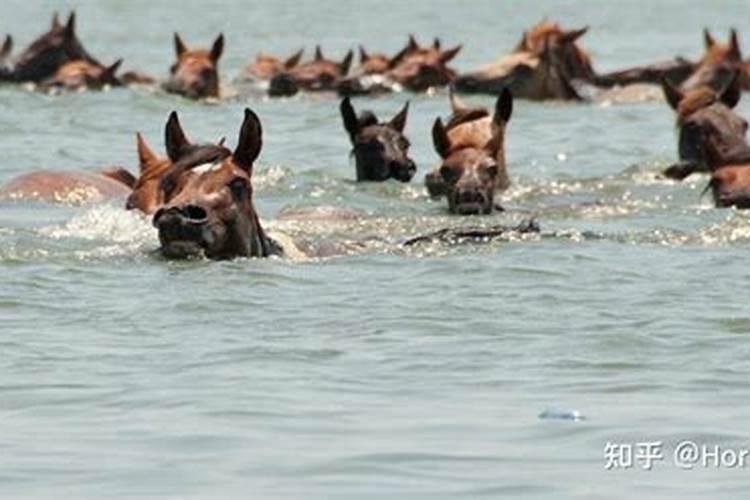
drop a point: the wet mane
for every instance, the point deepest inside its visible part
(466, 116)
(194, 156)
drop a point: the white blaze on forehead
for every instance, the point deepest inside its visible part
(206, 167)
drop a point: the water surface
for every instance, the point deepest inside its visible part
(419, 373)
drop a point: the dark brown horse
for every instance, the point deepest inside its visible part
(320, 74)
(472, 151)
(542, 66)
(380, 148)
(711, 135)
(47, 54)
(208, 198)
(195, 74)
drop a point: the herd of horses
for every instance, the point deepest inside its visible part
(200, 196)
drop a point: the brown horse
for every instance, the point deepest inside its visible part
(380, 148)
(419, 69)
(195, 74)
(77, 75)
(371, 76)
(711, 135)
(472, 149)
(718, 63)
(208, 196)
(47, 54)
(320, 74)
(266, 66)
(541, 66)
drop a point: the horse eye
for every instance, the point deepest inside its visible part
(404, 143)
(238, 188)
(167, 184)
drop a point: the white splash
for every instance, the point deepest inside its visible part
(106, 223)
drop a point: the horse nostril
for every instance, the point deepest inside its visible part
(195, 213)
(155, 220)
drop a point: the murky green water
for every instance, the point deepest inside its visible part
(414, 373)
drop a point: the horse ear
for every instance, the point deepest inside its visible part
(440, 139)
(7, 47)
(671, 93)
(70, 27)
(110, 72)
(218, 48)
(363, 55)
(145, 154)
(734, 46)
(412, 45)
(523, 44)
(708, 40)
(294, 60)
(732, 92)
(175, 139)
(179, 46)
(503, 107)
(250, 141)
(398, 122)
(349, 116)
(318, 53)
(450, 54)
(573, 35)
(436, 43)
(347, 62)
(56, 21)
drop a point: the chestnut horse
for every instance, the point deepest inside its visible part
(542, 66)
(718, 64)
(472, 151)
(320, 74)
(208, 197)
(419, 69)
(195, 74)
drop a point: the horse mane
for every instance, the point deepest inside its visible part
(193, 156)
(466, 116)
